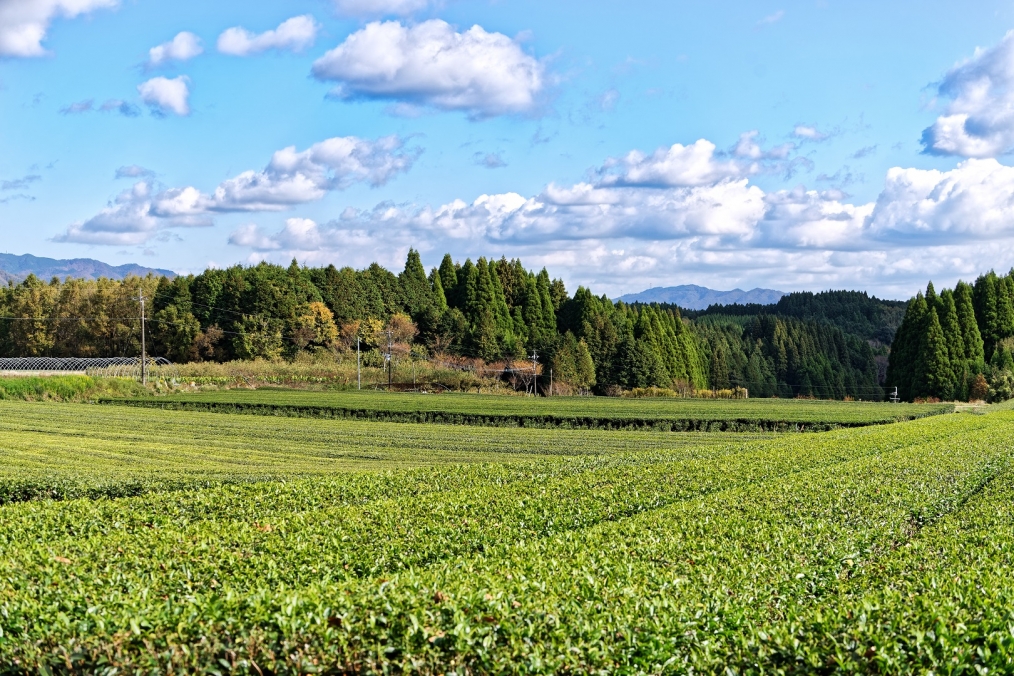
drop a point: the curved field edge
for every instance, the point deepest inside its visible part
(657, 423)
(674, 588)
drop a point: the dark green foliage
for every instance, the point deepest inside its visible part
(778, 356)
(933, 374)
(854, 312)
(965, 307)
(947, 341)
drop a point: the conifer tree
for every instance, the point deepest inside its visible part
(468, 285)
(987, 311)
(416, 289)
(719, 369)
(531, 314)
(905, 349)
(1005, 307)
(965, 308)
(585, 366)
(449, 281)
(932, 300)
(439, 297)
(483, 336)
(506, 335)
(933, 368)
(952, 336)
(543, 284)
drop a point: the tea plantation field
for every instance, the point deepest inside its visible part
(288, 545)
(677, 415)
(59, 451)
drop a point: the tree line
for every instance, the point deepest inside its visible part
(489, 310)
(958, 344)
(854, 312)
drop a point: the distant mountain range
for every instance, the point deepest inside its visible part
(13, 267)
(693, 297)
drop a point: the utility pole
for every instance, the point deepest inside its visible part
(390, 360)
(144, 357)
(535, 373)
(359, 372)
(550, 382)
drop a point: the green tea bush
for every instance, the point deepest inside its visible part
(876, 550)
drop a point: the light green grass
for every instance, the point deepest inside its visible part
(67, 388)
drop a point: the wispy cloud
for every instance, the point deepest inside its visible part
(865, 151)
(109, 106)
(77, 108)
(807, 132)
(771, 18)
(134, 171)
(20, 183)
(489, 160)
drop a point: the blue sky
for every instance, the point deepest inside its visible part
(790, 145)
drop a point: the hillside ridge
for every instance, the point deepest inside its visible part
(694, 297)
(14, 267)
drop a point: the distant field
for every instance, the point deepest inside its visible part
(568, 412)
(885, 549)
(79, 450)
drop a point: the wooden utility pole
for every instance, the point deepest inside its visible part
(144, 356)
(390, 360)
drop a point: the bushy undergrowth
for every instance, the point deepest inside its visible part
(666, 393)
(67, 388)
(316, 371)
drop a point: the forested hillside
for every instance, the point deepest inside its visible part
(855, 312)
(786, 357)
(486, 311)
(958, 343)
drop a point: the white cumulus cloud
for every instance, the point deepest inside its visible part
(183, 47)
(163, 95)
(295, 35)
(24, 23)
(482, 73)
(295, 177)
(676, 166)
(292, 177)
(979, 119)
(973, 201)
(136, 215)
(681, 219)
